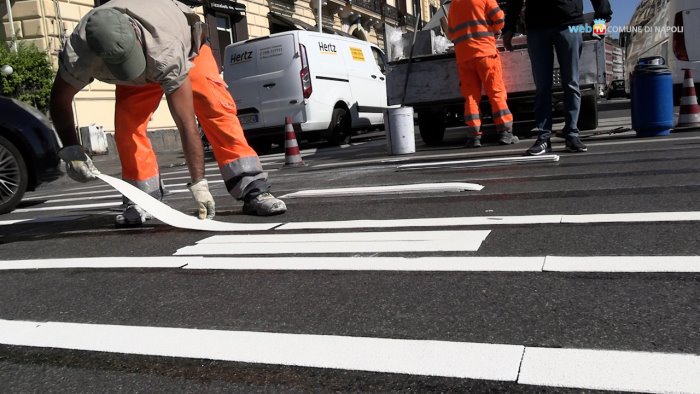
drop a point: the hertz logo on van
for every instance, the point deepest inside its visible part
(242, 57)
(327, 48)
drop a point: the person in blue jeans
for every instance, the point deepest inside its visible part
(548, 25)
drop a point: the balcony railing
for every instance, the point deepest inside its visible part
(371, 5)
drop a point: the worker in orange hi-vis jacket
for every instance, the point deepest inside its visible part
(473, 26)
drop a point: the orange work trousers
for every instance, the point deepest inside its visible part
(484, 72)
(216, 112)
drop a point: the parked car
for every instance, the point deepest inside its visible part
(617, 89)
(28, 152)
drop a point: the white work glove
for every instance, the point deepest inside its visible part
(78, 164)
(205, 202)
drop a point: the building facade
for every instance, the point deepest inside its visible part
(45, 23)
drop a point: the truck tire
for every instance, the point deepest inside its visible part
(588, 117)
(340, 128)
(14, 176)
(431, 126)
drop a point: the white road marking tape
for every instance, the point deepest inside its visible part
(454, 187)
(416, 357)
(478, 162)
(340, 237)
(611, 370)
(592, 264)
(42, 220)
(500, 220)
(79, 198)
(174, 217)
(632, 217)
(470, 243)
(420, 264)
(577, 368)
(98, 263)
(622, 264)
(68, 207)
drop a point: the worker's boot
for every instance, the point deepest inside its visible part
(507, 138)
(473, 142)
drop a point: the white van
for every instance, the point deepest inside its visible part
(670, 29)
(328, 84)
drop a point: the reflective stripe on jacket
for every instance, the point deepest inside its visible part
(472, 25)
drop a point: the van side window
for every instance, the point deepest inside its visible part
(379, 59)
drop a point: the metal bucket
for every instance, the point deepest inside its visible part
(400, 133)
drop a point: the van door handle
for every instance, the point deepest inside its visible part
(381, 78)
(269, 85)
(374, 76)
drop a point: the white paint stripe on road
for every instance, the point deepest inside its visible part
(420, 264)
(639, 217)
(341, 237)
(69, 207)
(622, 264)
(467, 245)
(415, 357)
(592, 264)
(577, 368)
(611, 370)
(632, 217)
(477, 162)
(98, 262)
(423, 222)
(454, 187)
(42, 220)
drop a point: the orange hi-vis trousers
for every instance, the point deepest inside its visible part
(216, 112)
(484, 72)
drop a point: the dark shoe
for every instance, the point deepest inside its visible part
(473, 142)
(540, 147)
(264, 204)
(132, 216)
(574, 144)
(507, 138)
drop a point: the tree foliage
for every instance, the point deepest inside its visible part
(32, 75)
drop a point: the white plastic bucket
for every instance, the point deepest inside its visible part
(400, 137)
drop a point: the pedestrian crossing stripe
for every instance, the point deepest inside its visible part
(575, 368)
(590, 264)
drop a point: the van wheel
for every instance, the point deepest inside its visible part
(14, 177)
(339, 130)
(431, 126)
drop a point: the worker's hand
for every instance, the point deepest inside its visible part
(508, 41)
(78, 164)
(497, 34)
(205, 202)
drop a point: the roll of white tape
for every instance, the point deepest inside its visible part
(174, 217)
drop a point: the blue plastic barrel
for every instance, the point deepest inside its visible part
(652, 98)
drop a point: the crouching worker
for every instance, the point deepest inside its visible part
(151, 48)
(473, 26)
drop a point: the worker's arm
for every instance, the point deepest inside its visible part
(602, 9)
(181, 107)
(495, 15)
(78, 164)
(513, 11)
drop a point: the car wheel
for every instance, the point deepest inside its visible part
(14, 177)
(340, 128)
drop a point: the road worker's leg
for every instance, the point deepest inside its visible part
(134, 107)
(216, 112)
(492, 77)
(470, 86)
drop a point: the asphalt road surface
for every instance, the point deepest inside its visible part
(574, 272)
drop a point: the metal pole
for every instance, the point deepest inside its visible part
(320, 16)
(12, 25)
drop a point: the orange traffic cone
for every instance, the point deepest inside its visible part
(292, 156)
(690, 111)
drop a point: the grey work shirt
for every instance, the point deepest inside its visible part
(164, 27)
